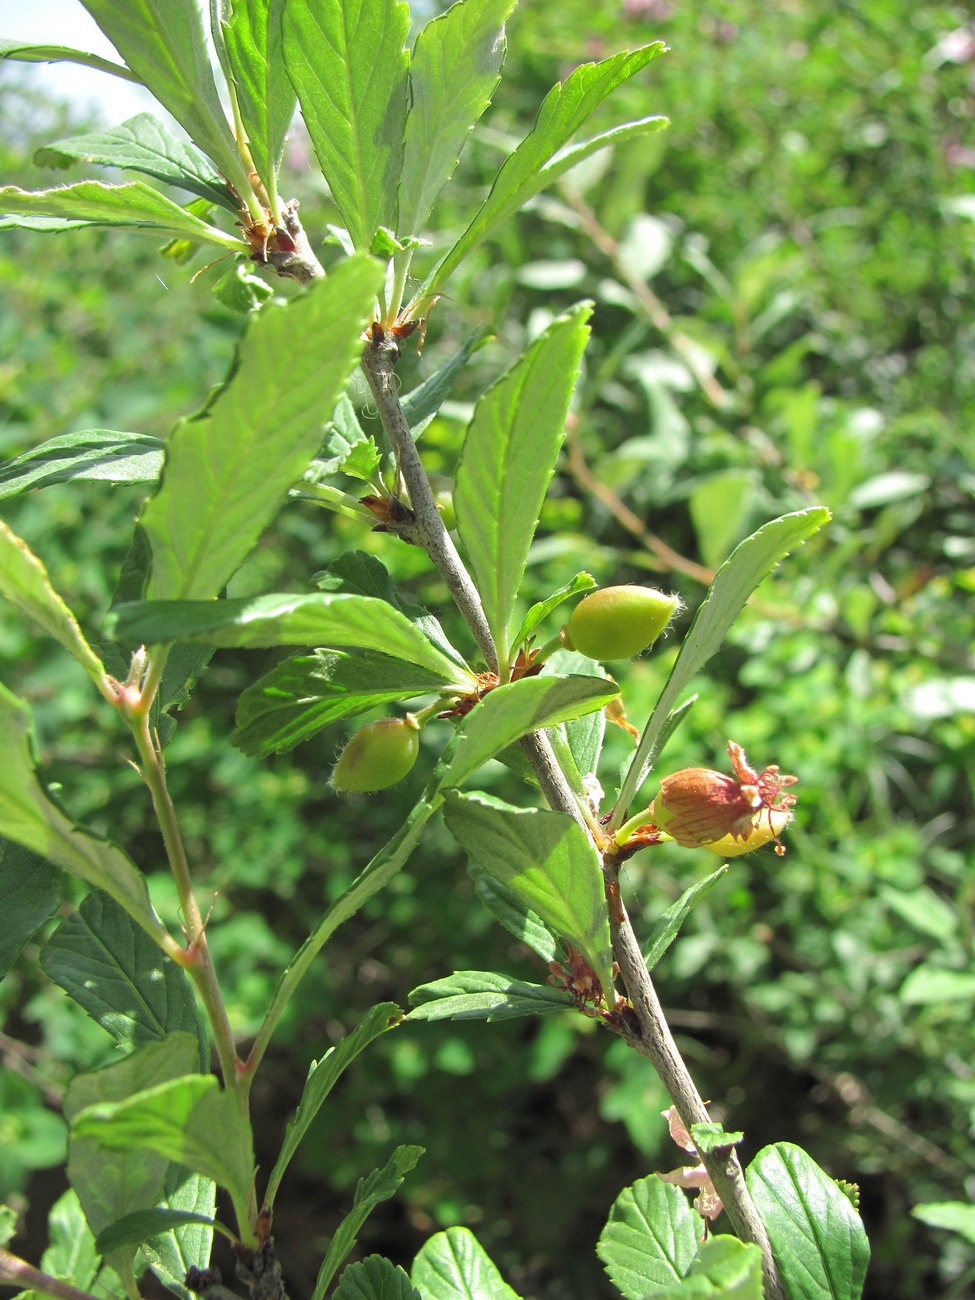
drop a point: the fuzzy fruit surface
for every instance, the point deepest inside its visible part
(377, 756)
(619, 622)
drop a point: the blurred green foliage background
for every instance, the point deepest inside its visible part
(785, 298)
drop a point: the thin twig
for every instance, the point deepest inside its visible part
(379, 363)
(17, 1272)
(654, 1039)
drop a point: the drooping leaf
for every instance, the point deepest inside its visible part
(547, 861)
(483, 995)
(423, 402)
(24, 581)
(306, 692)
(31, 890)
(510, 712)
(530, 167)
(10, 49)
(147, 145)
(317, 619)
(255, 54)
(114, 971)
(112, 1184)
(229, 468)
(135, 206)
(522, 922)
(508, 458)
(142, 1225)
(29, 818)
(454, 69)
(818, 1238)
(375, 1278)
(453, 1265)
(165, 46)
(378, 1186)
(347, 61)
(90, 455)
(322, 1077)
(650, 1238)
(190, 1120)
(667, 927)
(378, 872)
(734, 582)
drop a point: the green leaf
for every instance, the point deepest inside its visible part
(114, 971)
(28, 817)
(165, 46)
(90, 455)
(306, 692)
(817, 1237)
(667, 927)
(134, 205)
(31, 890)
(725, 1268)
(24, 580)
(520, 921)
(317, 619)
(345, 436)
(930, 984)
(357, 573)
(322, 1077)
(71, 1255)
(144, 144)
(547, 861)
(710, 1137)
(539, 612)
(229, 468)
(111, 1184)
(453, 1265)
(510, 712)
(188, 1246)
(348, 64)
(10, 49)
(508, 459)
(255, 53)
(650, 1239)
(748, 565)
(483, 995)
(378, 1186)
(422, 403)
(375, 1278)
(531, 167)
(191, 1120)
(455, 67)
(142, 1225)
(954, 1216)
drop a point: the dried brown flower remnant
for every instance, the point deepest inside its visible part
(699, 807)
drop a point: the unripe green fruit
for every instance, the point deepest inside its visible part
(619, 622)
(378, 755)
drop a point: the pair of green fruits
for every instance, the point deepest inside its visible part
(614, 623)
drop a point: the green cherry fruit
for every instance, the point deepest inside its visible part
(378, 755)
(619, 622)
